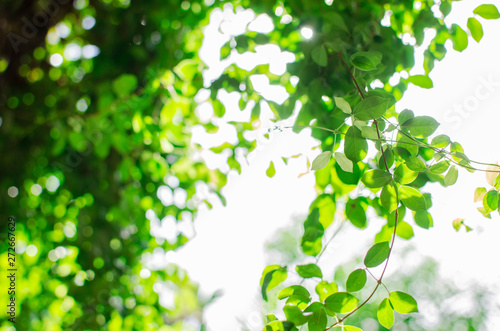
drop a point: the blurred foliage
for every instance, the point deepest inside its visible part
(98, 105)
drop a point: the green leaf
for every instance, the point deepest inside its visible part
(356, 280)
(421, 126)
(376, 178)
(309, 271)
(294, 314)
(377, 254)
(343, 105)
(371, 107)
(356, 213)
(459, 38)
(293, 290)
(317, 321)
(412, 198)
(385, 314)
(440, 141)
(321, 160)
(389, 197)
(451, 176)
(403, 303)
(313, 232)
(439, 167)
(320, 56)
(124, 85)
(404, 230)
(355, 145)
(325, 203)
(271, 171)
(490, 201)
(343, 162)
(324, 289)
(369, 132)
(405, 143)
(415, 164)
(421, 81)
(275, 326)
(405, 115)
(366, 61)
(341, 302)
(272, 276)
(475, 28)
(403, 175)
(351, 328)
(423, 219)
(489, 12)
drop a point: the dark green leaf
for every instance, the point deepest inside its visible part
(341, 302)
(377, 254)
(403, 303)
(421, 126)
(309, 271)
(412, 198)
(320, 56)
(356, 280)
(371, 107)
(366, 61)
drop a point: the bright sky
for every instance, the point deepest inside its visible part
(228, 254)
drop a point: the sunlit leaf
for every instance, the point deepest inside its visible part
(403, 303)
(355, 147)
(475, 28)
(324, 289)
(421, 81)
(272, 276)
(487, 11)
(385, 314)
(310, 270)
(376, 178)
(343, 162)
(317, 321)
(271, 171)
(451, 176)
(412, 198)
(459, 38)
(341, 302)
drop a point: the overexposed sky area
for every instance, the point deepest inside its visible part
(227, 253)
